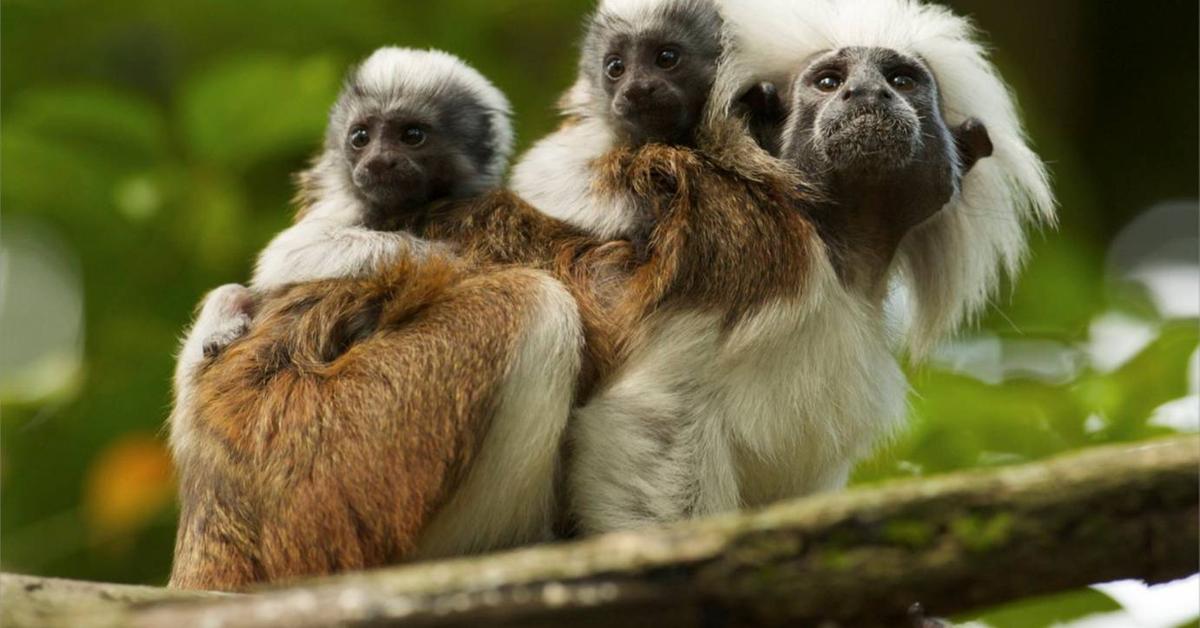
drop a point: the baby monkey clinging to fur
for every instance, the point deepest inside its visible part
(651, 68)
(328, 438)
(645, 73)
(764, 369)
(414, 406)
(410, 128)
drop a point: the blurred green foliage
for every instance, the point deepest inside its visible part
(148, 147)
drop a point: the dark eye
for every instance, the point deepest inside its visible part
(668, 58)
(614, 67)
(903, 82)
(413, 136)
(828, 82)
(360, 137)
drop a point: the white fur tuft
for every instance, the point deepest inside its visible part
(951, 265)
(556, 176)
(633, 11)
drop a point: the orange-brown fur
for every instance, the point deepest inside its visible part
(333, 432)
(501, 230)
(320, 455)
(725, 237)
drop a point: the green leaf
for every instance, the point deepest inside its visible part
(1048, 611)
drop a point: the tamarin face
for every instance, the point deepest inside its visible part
(864, 108)
(873, 115)
(655, 71)
(401, 160)
(413, 127)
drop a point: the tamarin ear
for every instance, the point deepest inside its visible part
(763, 103)
(764, 111)
(973, 142)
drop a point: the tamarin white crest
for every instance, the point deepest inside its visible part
(409, 128)
(952, 264)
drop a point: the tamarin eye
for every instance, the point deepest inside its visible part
(903, 82)
(828, 82)
(668, 58)
(614, 67)
(359, 137)
(413, 136)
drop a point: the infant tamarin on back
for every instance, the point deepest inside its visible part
(417, 410)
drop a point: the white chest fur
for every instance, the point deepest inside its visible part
(703, 420)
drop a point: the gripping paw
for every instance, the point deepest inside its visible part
(225, 317)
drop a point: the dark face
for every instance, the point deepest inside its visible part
(867, 124)
(870, 118)
(399, 161)
(657, 87)
(868, 110)
(655, 74)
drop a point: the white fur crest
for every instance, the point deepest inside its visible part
(952, 264)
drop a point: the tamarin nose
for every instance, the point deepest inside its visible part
(867, 92)
(382, 165)
(641, 89)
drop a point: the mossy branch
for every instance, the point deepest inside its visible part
(859, 558)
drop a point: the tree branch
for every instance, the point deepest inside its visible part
(860, 558)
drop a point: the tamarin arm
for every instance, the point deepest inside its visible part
(316, 250)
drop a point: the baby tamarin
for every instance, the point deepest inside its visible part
(763, 369)
(645, 72)
(409, 128)
(415, 411)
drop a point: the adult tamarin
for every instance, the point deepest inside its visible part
(765, 371)
(952, 264)
(417, 410)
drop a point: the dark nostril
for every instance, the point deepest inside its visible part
(642, 90)
(866, 93)
(380, 166)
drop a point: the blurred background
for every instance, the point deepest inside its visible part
(147, 149)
